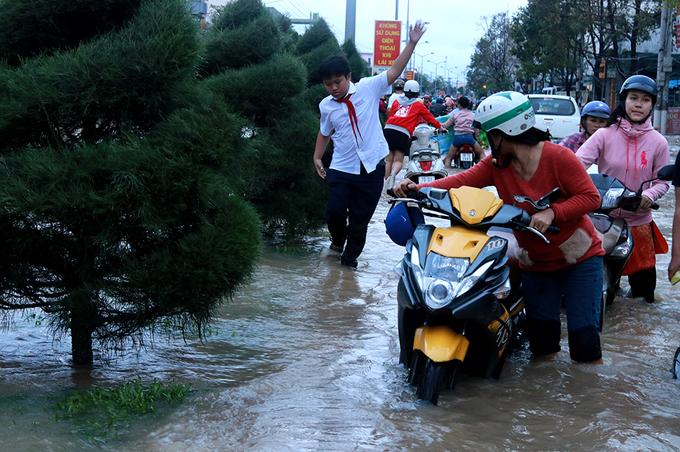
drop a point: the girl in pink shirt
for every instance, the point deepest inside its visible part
(630, 150)
(463, 132)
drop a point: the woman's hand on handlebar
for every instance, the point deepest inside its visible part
(402, 186)
(541, 220)
(645, 203)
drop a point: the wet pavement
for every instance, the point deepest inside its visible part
(305, 358)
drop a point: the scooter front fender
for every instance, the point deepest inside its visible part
(440, 343)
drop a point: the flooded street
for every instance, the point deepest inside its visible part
(305, 358)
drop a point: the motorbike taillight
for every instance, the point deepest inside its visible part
(426, 165)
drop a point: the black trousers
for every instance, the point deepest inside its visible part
(352, 199)
(643, 283)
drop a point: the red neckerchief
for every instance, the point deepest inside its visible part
(352, 116)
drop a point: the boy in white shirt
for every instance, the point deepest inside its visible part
(349, 116)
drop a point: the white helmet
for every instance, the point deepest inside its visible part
(411, 87)
(508, 111)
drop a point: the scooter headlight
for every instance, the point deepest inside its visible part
(444, 280)
(610, 198)
(624, 249)
(439, 294)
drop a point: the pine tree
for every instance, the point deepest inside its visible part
(117, 206)
(269, 89)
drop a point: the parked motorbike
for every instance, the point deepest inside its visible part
(425, 163)
(617, 239)
(457, 309)
(465, 157)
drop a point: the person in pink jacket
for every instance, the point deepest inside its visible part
(631, 150)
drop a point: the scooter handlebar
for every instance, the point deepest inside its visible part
(413, 194)
(655, 206)
(552, 230)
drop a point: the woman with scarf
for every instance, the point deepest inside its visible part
(405, 115)
(631, 150)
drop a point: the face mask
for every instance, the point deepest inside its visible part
(496, 153)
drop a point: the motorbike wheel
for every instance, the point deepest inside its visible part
(611, 286)
(676, 364)
(603, 308)
(434, 378)
(417, 365)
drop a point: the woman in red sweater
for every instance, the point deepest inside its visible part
(523, 161)
(405, 115)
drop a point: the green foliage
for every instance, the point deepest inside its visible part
(285, 74)
(100, 414)
(116, 83)
(271, 94)
(237, 14)
(240, 45)
(31, 28)
(122, 198)
(356, 62)
(492, 63)
(317, 34)
(315, 45)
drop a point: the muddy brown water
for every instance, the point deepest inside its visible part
(305, 358)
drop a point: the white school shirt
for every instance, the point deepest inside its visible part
(372, 147)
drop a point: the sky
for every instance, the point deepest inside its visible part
(453, 30)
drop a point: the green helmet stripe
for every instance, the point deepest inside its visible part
(507, 116)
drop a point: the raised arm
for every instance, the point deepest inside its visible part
(415, 33)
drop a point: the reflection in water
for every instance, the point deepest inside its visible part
(306, 358)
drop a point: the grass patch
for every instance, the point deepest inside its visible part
(100, 414)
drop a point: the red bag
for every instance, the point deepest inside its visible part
(660, 244)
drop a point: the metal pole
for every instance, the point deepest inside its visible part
(664, 68)
(396, 9)
(350, 19)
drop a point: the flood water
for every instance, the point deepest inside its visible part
(305, 358)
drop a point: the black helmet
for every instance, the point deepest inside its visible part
(398, 83)
(639, 82)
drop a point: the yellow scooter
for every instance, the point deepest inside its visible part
(458, 310)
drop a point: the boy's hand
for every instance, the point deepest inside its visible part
(673, 267)
(416, 31)
(319, 168)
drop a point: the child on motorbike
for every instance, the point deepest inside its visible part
(463, 132)
(349, 116)
(594, 116)
(398, 86)
(525, 162)
(406, 114)
(630, 150)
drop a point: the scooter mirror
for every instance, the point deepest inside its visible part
(549, 198)
(666, 173)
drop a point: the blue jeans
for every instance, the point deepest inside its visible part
(581, 286)
(460, 139)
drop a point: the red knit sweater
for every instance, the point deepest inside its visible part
(558, 167)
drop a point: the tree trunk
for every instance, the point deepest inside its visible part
(81, 340)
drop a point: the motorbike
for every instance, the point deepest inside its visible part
(425, 163)
(459, 310)
(617, 239)
(465, 157)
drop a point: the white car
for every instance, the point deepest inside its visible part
(559, 115)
